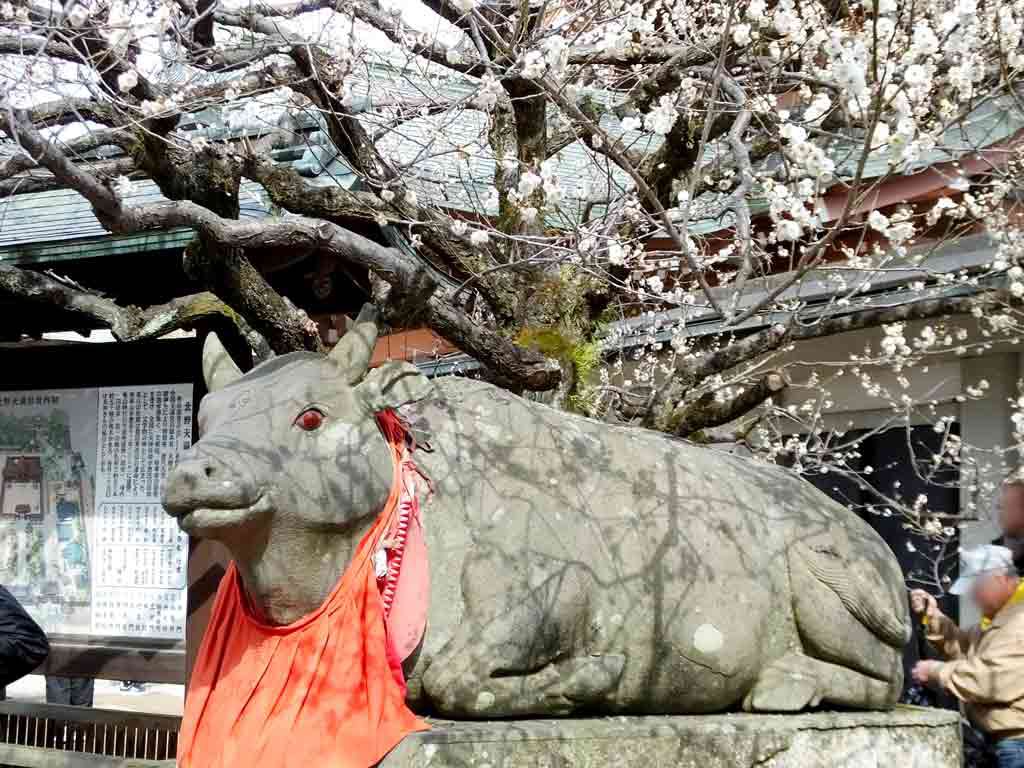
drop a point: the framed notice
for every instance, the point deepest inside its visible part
(85, 545)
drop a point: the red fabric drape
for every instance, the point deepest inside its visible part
(325, 690)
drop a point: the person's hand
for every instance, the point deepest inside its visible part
(923, 604)
(924, 671)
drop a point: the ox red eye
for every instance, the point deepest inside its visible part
(310, 419)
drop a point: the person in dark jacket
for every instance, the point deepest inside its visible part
(1011, 517)
(23, 644)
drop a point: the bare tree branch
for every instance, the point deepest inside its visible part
(645, 190)
(292, 192)
(75, 110)
(370, 12)
(125, 323)
(637, 54)
(225, 240)
(32, 45)
(706, 411)
(38, 180)
(664, 79)
(748, 348)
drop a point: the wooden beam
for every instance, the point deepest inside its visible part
(106, 660)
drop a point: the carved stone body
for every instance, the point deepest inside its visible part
(575, 567)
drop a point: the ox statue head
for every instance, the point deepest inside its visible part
(290, 457)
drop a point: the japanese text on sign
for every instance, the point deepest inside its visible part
(141, 555)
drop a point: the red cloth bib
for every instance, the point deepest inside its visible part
(325, 690)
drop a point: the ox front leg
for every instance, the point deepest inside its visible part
(559, 688)
(521, 650)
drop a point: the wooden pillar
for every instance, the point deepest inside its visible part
(207, 561)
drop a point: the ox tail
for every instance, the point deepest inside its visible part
(868, 597)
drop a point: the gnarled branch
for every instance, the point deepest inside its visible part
(125, 323)
(707, 411)
(225, 240)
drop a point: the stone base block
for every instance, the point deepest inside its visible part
(907, 737)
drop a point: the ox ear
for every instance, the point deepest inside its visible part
(355, 350)
(392, 385)
(219, 369)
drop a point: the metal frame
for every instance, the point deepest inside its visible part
(34, 735)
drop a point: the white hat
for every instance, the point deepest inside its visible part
(975, 562)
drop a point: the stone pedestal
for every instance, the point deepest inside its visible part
(907, 737)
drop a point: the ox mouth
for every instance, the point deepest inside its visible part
(205, 518)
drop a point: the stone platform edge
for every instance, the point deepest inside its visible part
(905, 737)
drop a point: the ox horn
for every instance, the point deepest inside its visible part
(355, 350)
(219, 369)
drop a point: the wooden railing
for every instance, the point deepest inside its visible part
(43, 735)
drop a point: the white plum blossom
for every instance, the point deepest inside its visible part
(153, 108)
(127, 80)
(616, 254)
(942, 205)
(818, 108)
(916, 75)
(123, 187)
(556, 53)
(534, 65)
(786, 20)
(755, 11)
(479, 237)
(793, 133)
(549, 178)
(529, 182)
(810, 158)
(489, 93)
(78, 15)
(661, 119)
(118, 29)
(880, 136)
(894, 342)
(787, 229)
(879, 222)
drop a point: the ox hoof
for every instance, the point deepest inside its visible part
(782, 690)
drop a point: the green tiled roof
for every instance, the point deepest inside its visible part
(60, 225)
(449, 164)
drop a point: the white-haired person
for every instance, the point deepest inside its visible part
(982, 666)
(1011, 517)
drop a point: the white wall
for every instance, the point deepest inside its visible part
(985, 424)
(984, 421)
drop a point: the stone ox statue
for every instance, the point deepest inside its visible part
(575, 566)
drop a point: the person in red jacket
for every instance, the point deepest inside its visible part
(23, 644)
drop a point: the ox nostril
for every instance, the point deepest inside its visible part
(208, 471)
